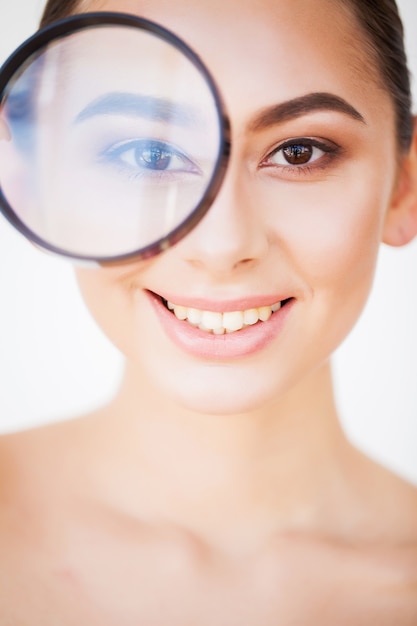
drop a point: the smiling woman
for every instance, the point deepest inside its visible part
(216, 486)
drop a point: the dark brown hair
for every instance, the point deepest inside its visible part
(57, 10)
(384, 33)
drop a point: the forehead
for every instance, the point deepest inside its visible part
(257, 29)
(264, 51)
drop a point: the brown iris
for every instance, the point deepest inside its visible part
(298, 154)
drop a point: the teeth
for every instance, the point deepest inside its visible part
(181, 312)
(194, 316)
(251, 316)
(211, 321)
(233, 320)
(220, 323)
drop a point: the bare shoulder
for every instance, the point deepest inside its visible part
(378, 553)
(26, 453)
(41, 480)
(388, 502)
(39, 466)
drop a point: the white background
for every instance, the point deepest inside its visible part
(54, 363)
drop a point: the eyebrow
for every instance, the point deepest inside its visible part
(137, 105)
(297, 107)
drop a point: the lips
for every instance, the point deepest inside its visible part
(221, 330)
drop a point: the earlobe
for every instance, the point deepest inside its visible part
(401, 220)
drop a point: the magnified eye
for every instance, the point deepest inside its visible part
(114, 138)
(149, 155)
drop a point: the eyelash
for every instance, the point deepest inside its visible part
(331, 152)
(118, 156)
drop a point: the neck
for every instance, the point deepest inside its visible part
(210, 472)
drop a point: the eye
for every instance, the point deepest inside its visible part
(149, 157)
(301, 154)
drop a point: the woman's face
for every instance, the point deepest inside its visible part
(298, 220)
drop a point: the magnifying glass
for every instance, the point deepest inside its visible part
(113, 138)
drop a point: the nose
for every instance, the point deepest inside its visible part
(232, 234)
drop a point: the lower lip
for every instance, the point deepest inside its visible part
(234, 345)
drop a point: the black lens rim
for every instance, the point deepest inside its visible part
(68, 26)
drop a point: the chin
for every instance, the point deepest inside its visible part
(219, 390)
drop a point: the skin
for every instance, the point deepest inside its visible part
(223, 491)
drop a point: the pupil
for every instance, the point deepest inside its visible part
(298, 154)
(153, 158)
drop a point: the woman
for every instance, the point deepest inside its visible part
(218, 487)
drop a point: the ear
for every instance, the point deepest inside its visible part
(401, 220)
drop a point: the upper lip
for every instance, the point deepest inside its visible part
(222, 306)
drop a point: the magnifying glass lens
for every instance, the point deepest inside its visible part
(111, 141)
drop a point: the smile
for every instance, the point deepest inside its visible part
(238, 330)
(218, 323)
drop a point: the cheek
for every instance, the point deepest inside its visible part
(330, 238)
(333, 230)
(108, 295)
(340, 250)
